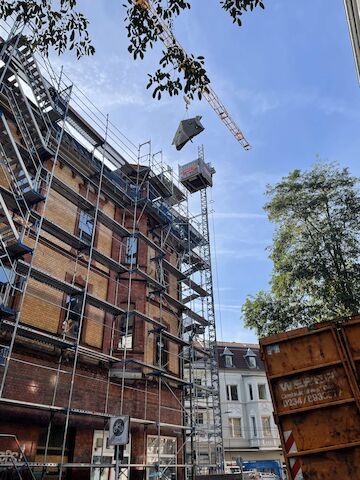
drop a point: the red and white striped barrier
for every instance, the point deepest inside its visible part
(290, 447)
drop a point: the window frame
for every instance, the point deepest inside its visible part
(266, 430)
(81, 233)
(131, 250)
(229, 363)
(251, 392)
(265, 391)
(68, 312)
(233, 427)
(254, 426)
(229, 392)
(156, 456)
(4, 354)
(252, 362)
(199, 415)
(158, 362)
(130, 334)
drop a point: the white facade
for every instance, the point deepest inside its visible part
(249, 430)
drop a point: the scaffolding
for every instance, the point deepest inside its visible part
(106, 301)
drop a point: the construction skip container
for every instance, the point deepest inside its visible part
(314, 380)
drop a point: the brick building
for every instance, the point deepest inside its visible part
(99, 265)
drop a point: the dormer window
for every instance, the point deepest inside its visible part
(228, 357)
(250, 358)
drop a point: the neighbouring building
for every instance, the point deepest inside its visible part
(100, 266)
(249, 430)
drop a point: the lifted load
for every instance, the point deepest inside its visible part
(196, 175)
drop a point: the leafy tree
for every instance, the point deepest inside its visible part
(56, 23)
(315, 251)
(50, 24)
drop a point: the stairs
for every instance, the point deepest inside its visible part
(11, 245)
(36, 81)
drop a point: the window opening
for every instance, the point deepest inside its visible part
(126, 340)
(235, 427)
(86, 226)
(161, 354)
(251, 393)
(262, 391)
(161, 450)
(131, 248)
(266, 426)
(73, 314)
(253, 423)
(4, 351)
(232, 392)
(229, 361)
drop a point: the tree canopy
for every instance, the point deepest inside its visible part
(58, 24)
(315, 251)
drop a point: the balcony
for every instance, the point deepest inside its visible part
(265, 442)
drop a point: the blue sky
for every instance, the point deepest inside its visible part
(287, 77)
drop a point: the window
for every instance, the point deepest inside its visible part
(232, 392)
(131, 247)
(4, 351)
(262, 391)
(228, 361)
(252, 362)
(104, 453)
(161, 353)
(161, 450)
(126, 337)
(253, 425)
(71, 323)
(162, 276)
(5, 275)
(86, 226)
(251, 393)
(250, 358)
(199, 418)
(54, 442)
(199, 392)
(235, 427)
(266, 426)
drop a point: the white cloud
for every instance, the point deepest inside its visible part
(240, 254)
(263, 102)
(254, 183)
(224, 307)
(104, 83)
(239, 215)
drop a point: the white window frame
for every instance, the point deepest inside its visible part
(266, 431)
(152, 458)
(229, 395)
(252, 362)
(250, 392)
(229, 361)
(254, 428)
(232, 427)
(101, 448)
(199, 416)
(265, 391)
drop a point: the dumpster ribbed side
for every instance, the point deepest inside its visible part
(313, 378)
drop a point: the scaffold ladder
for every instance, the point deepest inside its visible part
(210, 307)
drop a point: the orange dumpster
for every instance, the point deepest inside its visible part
(313, 376)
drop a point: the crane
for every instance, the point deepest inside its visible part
(169, 40)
